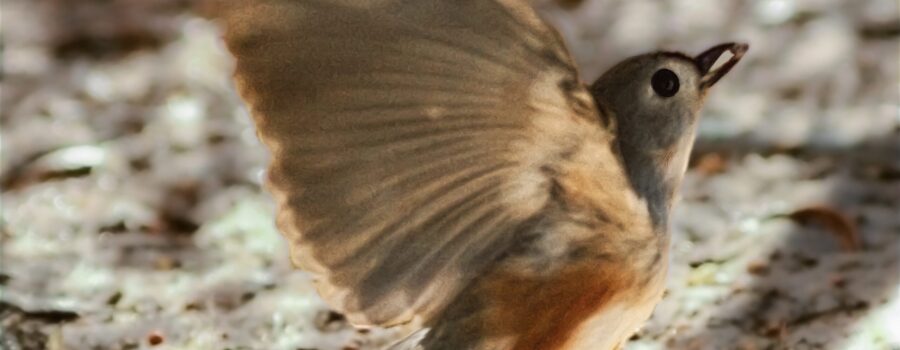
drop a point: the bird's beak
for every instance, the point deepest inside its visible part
(708, 58)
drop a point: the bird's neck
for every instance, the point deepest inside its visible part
(656, 176)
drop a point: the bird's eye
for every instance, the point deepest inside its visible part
(665, 83)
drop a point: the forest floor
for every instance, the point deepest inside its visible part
(132, 213)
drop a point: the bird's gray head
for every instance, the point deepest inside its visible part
(654, 100)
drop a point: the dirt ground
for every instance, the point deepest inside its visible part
(132, 214)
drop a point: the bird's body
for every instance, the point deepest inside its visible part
(441, 163)
(585, 303)
(584, 277)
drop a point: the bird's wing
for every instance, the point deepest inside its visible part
(410, 139)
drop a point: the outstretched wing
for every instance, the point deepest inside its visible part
(411, 139)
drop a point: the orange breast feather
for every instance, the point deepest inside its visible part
(547, 314)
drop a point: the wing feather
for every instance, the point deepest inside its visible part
(409, 138)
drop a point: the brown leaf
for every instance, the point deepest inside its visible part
(711, 164)
(155, 338)
(834, 221)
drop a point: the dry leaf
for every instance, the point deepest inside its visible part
(834, 221)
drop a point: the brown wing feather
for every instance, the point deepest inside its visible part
(410, 139)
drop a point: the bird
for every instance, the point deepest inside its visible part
(441, 164)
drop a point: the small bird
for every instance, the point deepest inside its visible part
(441, 163)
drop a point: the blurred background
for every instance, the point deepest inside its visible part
(132, 214)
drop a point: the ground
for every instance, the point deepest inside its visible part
(132, 213)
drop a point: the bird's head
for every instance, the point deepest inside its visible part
(655, 100)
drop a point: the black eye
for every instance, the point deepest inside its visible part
(665, 83)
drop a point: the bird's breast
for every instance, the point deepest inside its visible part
(614, 322)
(584, 306)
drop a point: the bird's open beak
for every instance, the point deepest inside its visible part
(708, 58)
